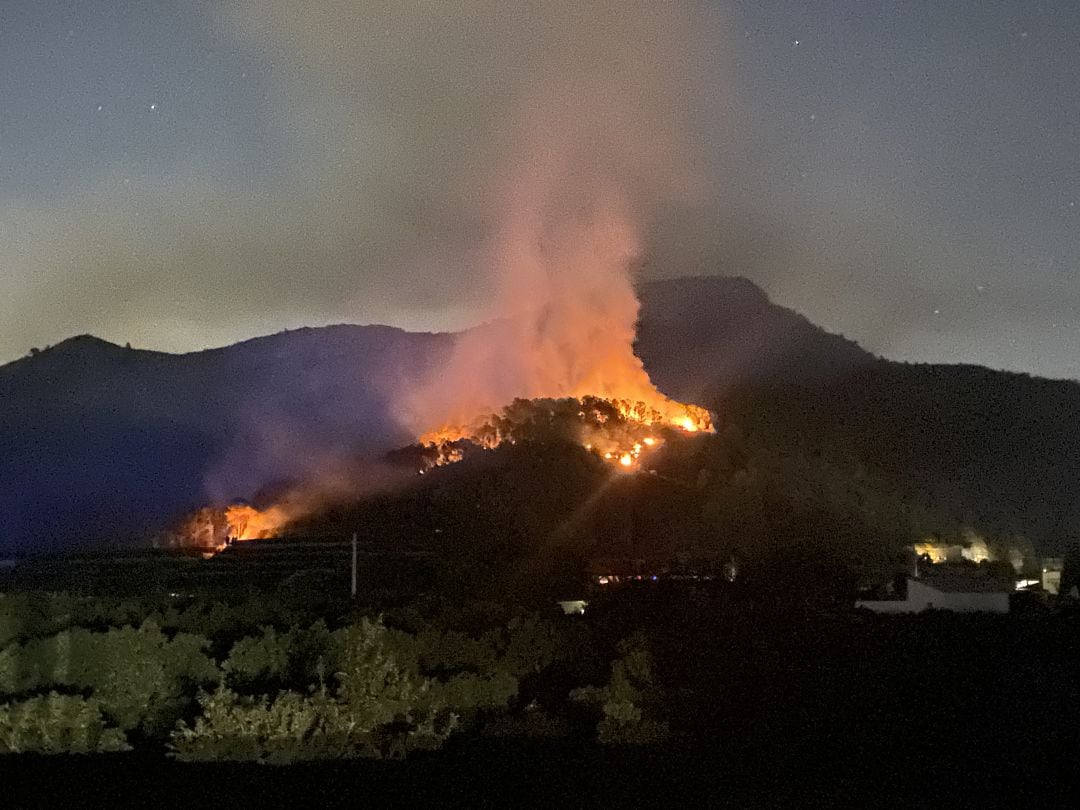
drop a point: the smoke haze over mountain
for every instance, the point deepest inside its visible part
(186, 175)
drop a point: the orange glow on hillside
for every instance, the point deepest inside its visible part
(618, 431)
(248, 523)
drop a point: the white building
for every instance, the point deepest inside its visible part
(946, 591)
(1052, 568)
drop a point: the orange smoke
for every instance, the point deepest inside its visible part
(567, 317)
(567, 332)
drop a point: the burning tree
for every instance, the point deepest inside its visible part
(619, 431)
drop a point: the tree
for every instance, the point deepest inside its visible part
(138, 677)
(630, 702)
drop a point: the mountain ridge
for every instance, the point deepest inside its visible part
(103, 442)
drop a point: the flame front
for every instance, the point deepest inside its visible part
(248, 523)
(619, 431)
(562, 323)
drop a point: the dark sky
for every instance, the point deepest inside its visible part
(186, 174)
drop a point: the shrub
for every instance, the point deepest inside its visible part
(139, 677)
(57, 724)
(295, 658)
(383, 705)
(291, 727)
(628, 703)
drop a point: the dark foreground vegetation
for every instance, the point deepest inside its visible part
(659, 688)
(452, 674)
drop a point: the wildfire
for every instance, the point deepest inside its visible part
(248, 523)
(210, 529)
(619, 431)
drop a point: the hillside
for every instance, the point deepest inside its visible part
(702, 337)
(103, 443)
(994, 450)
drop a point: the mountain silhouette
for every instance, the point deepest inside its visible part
(105, 444)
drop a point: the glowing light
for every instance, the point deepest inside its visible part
(687, 424)
(248, 523)
(613, 428)
(573, 607)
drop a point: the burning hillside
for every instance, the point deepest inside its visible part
(619, 431)
(564, 216)
(245, 522)
(211, 528)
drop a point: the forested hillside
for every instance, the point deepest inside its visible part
(100, 443)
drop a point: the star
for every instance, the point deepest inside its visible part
(153, 107)
(795, 43)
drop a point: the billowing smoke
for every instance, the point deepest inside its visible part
(594, 136)
(502, 157)
(563, 309)
(516, 154)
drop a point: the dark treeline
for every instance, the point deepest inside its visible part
(993, 450)
(989, 450)
(701, 686)
(526, 521)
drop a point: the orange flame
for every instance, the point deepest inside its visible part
(616, 430)
(248, 523)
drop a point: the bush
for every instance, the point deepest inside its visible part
(289, 728)
(57, 724)
(629, 702)
(383, 705)
(296, 658)
(139, 677)
(26, 615)
(533, 723)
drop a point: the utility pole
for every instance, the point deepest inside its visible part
(354, 565)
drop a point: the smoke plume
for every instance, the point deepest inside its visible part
(523, 149)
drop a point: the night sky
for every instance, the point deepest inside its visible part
(186, 174)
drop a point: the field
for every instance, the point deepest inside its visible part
(746, 700)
